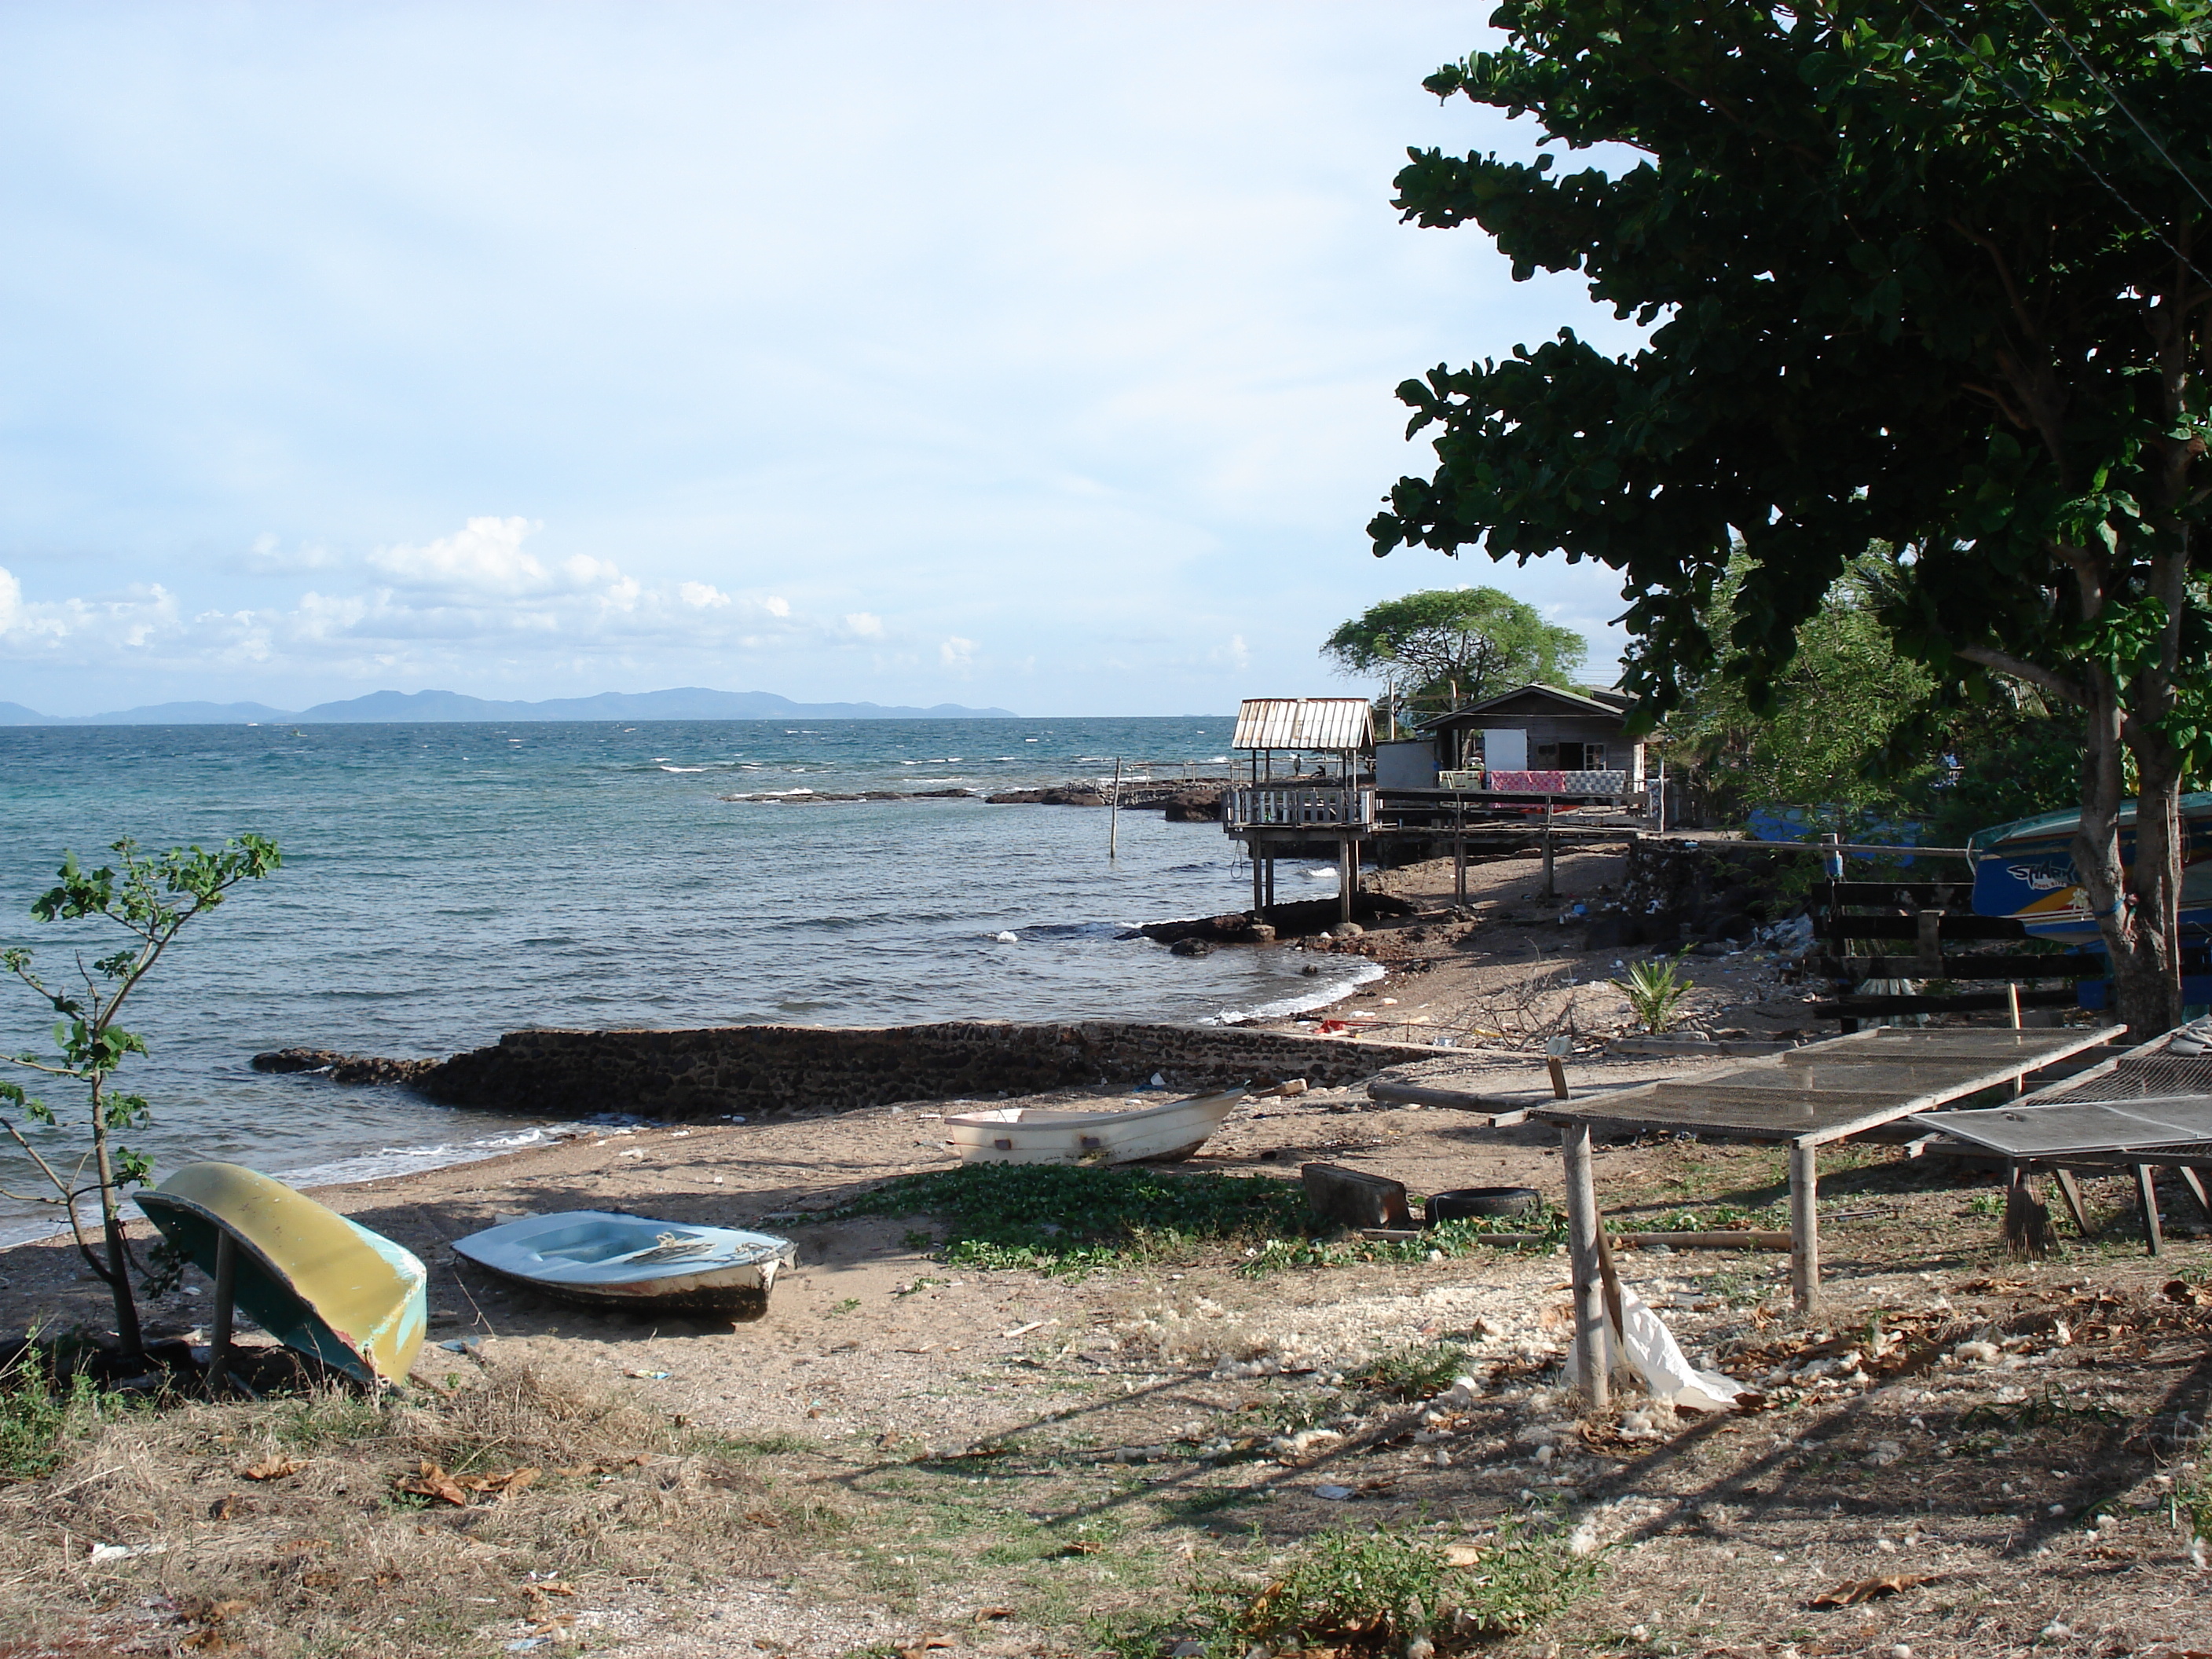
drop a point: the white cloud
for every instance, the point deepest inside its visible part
(957, 652)
(485, 556)
(73, 628)
(426, 608)
(861, 625)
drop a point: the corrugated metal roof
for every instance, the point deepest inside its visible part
(1613, 705)
(1303, 723)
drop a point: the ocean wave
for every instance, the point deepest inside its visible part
(1321, 996)
(406, 1160)
(682, 769)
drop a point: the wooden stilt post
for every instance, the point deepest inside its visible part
(1804, 1227)
(2195, 1183)
(2071, 1190)
(2147, 1201)
(2012, 1002)
(1459, 851)
(1582, 1222)
(1347, 859)
(1259, 887)
(226, 1299)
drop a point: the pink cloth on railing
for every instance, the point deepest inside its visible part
(1533, 783)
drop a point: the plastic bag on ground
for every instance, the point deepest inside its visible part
(1658, 1362)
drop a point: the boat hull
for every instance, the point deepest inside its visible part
(1152, 1134)
(602, 1259)
(2025, 871)
(318, 1281)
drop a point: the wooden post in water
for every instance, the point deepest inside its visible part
(1582, 1222)
(226, 1298)
(1113, 815)
(1347, 875)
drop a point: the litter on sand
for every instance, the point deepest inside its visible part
(1649, 1349)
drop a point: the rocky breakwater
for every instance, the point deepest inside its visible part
(1302, 920)
(1190, 800)
(804, 1071)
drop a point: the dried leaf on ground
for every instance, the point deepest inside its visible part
(275, 1466)
(921, 1645)
(431, 1482)
(1866, 1589)
(983, 1614)
(1462, 1555)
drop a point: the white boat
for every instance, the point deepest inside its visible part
(603, 1260)
(1029, 1135)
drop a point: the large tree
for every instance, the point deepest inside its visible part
(1821, 745)
(1930, 272)
(1450, 646)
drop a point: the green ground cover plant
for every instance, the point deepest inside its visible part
(1367, 1592)
(1076, 1218)
(1059, 1218)
(39, 1417)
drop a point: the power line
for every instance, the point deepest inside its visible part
(2087, 166)
(2113, 93)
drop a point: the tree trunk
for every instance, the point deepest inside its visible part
(2137, 907)
(118, 1259)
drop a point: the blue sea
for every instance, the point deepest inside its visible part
(444, 884)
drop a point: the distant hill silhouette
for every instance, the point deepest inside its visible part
(400, 708)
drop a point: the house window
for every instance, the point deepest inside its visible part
(1581, 757)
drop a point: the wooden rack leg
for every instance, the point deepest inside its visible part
(2195, 1183)
(1589, 1277)
(226, 1298)
(2147, 1201)
(1804, 1228)
(2071, 1190)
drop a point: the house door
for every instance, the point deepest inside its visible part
(1506, 749)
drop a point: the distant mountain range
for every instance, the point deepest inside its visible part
(687, 704)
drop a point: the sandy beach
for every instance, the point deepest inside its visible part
(905, 1455)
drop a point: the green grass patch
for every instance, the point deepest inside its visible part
(1452, 1240)
(1715, 1218)
(1076, 1218)
(40, 1416)
(1067, 1219)
(1367, 1592)
(1419, 1372)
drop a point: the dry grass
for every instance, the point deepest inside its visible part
(333, 1556)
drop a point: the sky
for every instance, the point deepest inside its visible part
(1035, 355)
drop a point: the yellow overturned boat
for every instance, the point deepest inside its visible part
(311, 1278)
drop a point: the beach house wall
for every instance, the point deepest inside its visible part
(1542, 729)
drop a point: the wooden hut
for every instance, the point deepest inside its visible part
(1307, 781)
(1541, 740)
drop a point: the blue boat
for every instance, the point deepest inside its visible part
(602, 1259)
(2025, 870)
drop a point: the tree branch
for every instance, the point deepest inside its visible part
(2005, 663)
